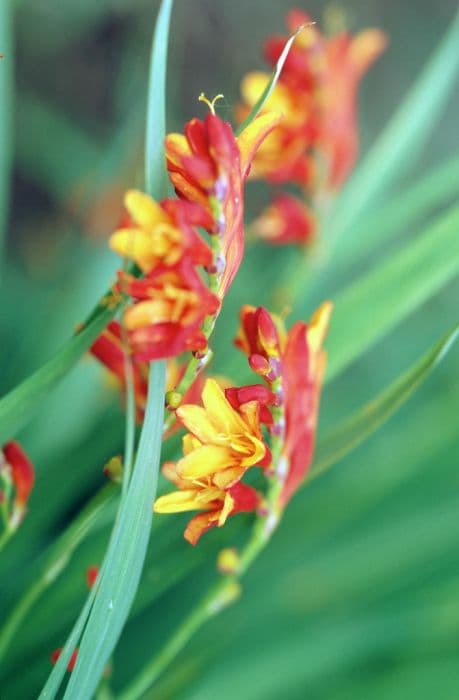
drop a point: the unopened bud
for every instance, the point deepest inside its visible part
(114, 469)
(228, 561)
(173, 399)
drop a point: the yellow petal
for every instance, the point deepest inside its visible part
(144, 313)
(366, 47)
(204, 461)
(135, 244)
(176, 147)
(190, 443)
(253, 135)
(198, 421)
(228, 477)
(318, 326)
(177, 502)
(228, 505)
(226, 420)
(143, 209)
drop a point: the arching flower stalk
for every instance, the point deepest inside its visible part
(225, 436)
(316, 144)
(172, 307)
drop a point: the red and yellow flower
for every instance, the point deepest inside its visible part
(286, 220)
(170, 305)
(208, 166)
(293, 363)
(19, 471)
(110, 351)
(223, 442)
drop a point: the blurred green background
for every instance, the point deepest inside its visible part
(357, 596)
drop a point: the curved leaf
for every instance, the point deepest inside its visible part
(344, 438)
(120, 574)
(375, 303)
(17, 406)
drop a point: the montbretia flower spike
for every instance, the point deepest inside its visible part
(208, 165)
(292, 364)
(223, 442)
(315, 145)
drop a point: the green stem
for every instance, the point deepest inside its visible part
(56, 560)
(227, 588)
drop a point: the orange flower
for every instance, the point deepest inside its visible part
(171, 303)
(224, 440)
(317, 94)
(286, 220)
(163, 233)
(208, 166)
(293, 363)
(22, 475)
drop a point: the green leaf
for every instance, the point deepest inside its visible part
(348, 435)
(6, 113)
(402, 211)
(402, 139)
(265, 95)
(17, 406)
(123, 563)
(56, 561)
(375, 303)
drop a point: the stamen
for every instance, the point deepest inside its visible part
(210, 103)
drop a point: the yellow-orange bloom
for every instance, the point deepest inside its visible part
(222, 444)
(159, 233)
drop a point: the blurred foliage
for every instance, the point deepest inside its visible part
(357, 594)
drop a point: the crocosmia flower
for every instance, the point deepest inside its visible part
(22, 474)
(160, 233)
(223, 442)
(208, 166)
(315, 145)
(171, 303)
(286, 220)
(292, 364)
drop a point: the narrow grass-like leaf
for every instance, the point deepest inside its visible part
(354, 430)
(123, 563)
(403, 138)
(17, 406)
(265, 95)
(56, 561)
(402, 211)
(6, 119)
(376, 303)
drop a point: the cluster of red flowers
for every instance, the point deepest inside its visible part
(225, 434)
(292, 364)
(208, 167)
(316, 144)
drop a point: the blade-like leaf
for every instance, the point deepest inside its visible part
(6, 99)
(372, 306)
(344, 438)
(123, 563)
(403, 138)
(17, 406)
(401, 212)
(265, 95)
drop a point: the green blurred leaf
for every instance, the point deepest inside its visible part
(120, 574)
(6, 113)
(375, 303)
(345, 437)
(402, 211)
(17, 406)
(402, 139)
